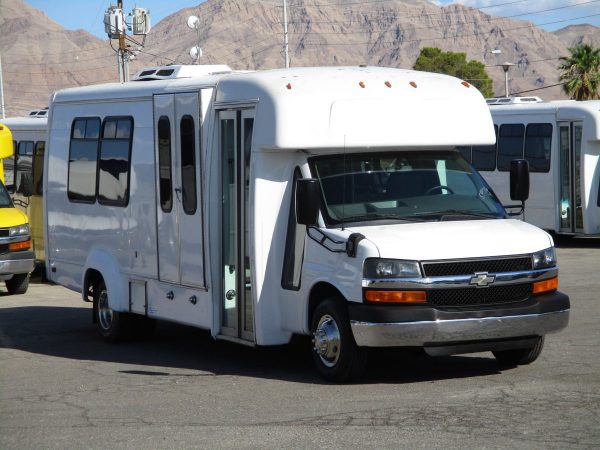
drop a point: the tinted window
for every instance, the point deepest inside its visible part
(538, 142)
(38, 167)
(484, 156)
(23, 174)
(294, 244)
(164, 164)
(83, 159)
(465, 151)
(115, 152)
(510, 144)
(188, 164)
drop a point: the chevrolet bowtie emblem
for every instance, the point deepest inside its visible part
(482, 279)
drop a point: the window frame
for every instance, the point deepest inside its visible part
(548, 161)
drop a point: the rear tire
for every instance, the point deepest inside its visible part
(334, 349)
(520, 356)
(18, 284)
(113, 325)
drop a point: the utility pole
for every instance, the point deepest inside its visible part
(2, 90)
(286, 50)
(116, 28)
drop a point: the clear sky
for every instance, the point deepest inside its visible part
(548, 14)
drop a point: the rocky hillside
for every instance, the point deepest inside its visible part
(39, 56)
(579, 34)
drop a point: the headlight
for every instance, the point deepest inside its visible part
(391, 268)
(20, 230)
(544, 258)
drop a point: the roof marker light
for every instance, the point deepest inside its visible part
(388, 84)
(362, 84)
(465, 84)
(413, 84)
(289, 85)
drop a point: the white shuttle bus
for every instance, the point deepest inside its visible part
(561, 141)
(329, 202)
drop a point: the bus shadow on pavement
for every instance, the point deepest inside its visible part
(178, 350)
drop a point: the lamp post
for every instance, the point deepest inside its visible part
(505, 67)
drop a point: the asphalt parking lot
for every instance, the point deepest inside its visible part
(62, 387)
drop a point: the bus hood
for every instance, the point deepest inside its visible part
(11, 217)
(453, 240)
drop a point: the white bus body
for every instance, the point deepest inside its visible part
(180, 199)
(562, 141)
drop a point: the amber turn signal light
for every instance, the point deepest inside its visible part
(540, 287)
(16, 246)
(395, 296)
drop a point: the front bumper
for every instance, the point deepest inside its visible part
(376, 326)
(16, 263)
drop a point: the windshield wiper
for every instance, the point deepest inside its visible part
(380, 216)
(462, 212)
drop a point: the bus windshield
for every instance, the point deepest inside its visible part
(5, 201)
(407, 186)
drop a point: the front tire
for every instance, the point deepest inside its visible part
(334, 349)
(18, 284)
(520, 356)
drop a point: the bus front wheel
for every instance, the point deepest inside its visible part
(334, 350)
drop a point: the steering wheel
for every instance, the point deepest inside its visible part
(440, 187)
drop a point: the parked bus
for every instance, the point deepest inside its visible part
(16, 256)
(24, 171)
(329, 202)
(561, 141)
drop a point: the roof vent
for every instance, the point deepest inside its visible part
(513, 100)
(179, 71)
(38, 112)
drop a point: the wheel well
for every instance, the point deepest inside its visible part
(318, 293)
(92, 278)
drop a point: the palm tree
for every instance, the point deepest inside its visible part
(581, 72)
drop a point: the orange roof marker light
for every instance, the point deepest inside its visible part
(289, 85)
(388, 84)
(413, 84)
(362, 84)
(466, 84)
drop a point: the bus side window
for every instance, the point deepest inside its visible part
(294, 244)
(114, 162)
(538, 142)
(484, 156)
(510, 144)
(23, 172)
(83, 159)
(38, 167)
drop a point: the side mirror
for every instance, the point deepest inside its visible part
(308, 201)
(519, 180)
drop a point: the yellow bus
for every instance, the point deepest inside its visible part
(24, 172)
(16, 255)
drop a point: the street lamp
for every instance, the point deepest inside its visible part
(505, 67)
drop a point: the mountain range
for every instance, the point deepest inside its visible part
(39, 56)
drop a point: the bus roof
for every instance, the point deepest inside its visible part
(334, 107)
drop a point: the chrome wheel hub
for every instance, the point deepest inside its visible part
(326, 341)
(105, 314)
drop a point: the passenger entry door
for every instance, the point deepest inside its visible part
(570, 200)
(177, 120)
(235, 141)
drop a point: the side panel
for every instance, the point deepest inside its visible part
(75, 229)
